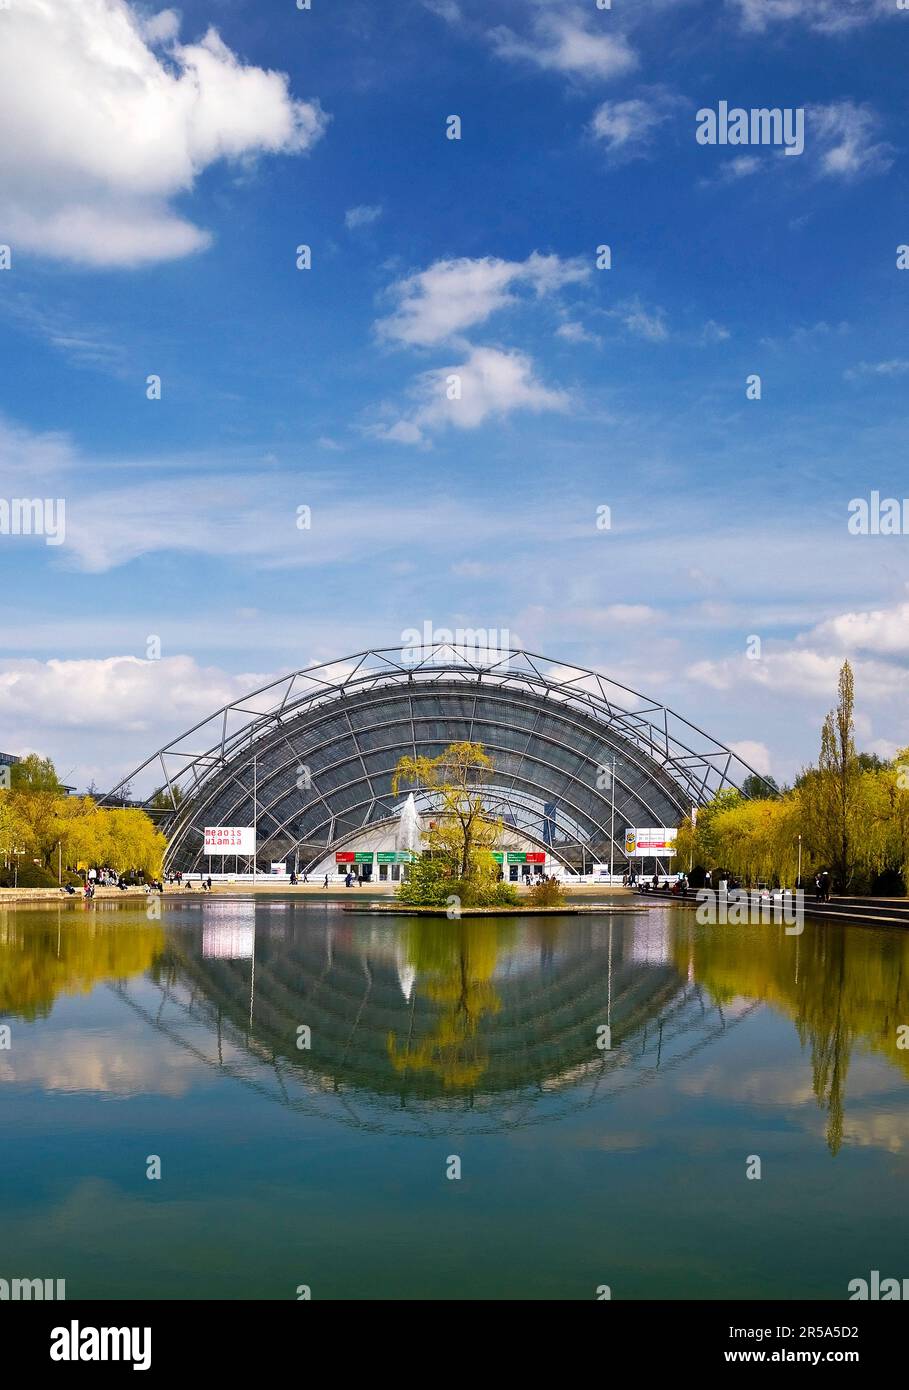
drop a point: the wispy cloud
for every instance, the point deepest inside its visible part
(568, 43)
(847, 138)
(362, 216)
(627, 129)
(827, 16)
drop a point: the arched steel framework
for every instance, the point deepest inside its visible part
(309, 758)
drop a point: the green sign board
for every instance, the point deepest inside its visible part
(363, 856)
(498, 856)
(394, 856)
(514, 857)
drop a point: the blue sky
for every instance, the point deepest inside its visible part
(168, 167)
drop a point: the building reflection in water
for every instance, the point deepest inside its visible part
(435, 1026)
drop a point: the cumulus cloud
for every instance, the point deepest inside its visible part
(119, 706)
(490, 383)
(117, 690)
(114, 118)
(435, 305)
(876, 641)
(567, 43)
(755, 754)
(797, 671)
(880, 631)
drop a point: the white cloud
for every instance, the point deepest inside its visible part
(161, 28)
(493, 383)
(882, 632)
(577, 333)
(741, 166)
(567, 43)
(756, 755)
(437, 304)
(828, 16)
(714, 332)
(114, 118)
(846, 133)
(875, 641)
(115, 691)
(449, 10)
(896, 366)
(644, 323)
(797, 671)
(627, 128)
(362, 216)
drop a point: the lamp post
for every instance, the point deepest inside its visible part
(17, 855)
(798, 880)
(612, 822)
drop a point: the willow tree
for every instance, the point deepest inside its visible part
(463, 832)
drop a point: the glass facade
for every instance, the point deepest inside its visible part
(323, 772)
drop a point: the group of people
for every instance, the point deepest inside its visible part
(204, 883)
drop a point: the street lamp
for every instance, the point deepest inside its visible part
(612, 822)
(17, 855)
(798, 880)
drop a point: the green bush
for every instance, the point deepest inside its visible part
(30, 876)
(483, 893)
(432, 883)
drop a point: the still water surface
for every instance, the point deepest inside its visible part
(326, 1166)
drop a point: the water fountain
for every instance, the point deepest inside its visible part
(408, 833)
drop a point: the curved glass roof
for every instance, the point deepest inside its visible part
(315, 753)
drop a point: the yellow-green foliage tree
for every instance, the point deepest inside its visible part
(37, 817)
(852, 815)
(464, 833)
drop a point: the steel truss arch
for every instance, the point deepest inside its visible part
(320, 745)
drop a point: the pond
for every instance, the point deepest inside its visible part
(256, 1099)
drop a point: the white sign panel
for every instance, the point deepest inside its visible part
(648, 842)
(230, 839)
